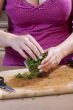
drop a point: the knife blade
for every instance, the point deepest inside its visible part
(4, 86)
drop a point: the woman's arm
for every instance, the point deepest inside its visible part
(3, 39)
(67, 46)
(56, 54)
(21, 44)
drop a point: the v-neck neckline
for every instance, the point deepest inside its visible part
(36, 6)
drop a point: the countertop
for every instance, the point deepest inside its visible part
(3, 20)
(61, 102)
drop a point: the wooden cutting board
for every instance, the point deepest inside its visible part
(59, 81)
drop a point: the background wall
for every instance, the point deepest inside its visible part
(3, 26)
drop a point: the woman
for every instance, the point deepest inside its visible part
(37, 25)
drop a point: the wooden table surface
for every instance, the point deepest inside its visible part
(62, 102)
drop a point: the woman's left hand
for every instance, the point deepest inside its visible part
(55, 55)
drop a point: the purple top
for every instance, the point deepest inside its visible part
(50, 24)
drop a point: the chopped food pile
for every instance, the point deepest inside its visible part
(33, 68)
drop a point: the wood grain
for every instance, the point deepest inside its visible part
(59, 81)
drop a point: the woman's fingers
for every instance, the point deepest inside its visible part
(20, 51)
(51, 61)
(27, 43)
(33, 48)
(47, 59)
(43, 66)
(46, 68)
(48, 65)
(36, 44)
(31, 54)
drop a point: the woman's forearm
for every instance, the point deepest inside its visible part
(3, 38)
(67, 46)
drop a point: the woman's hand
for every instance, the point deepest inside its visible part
(25, 43)
(53, 58)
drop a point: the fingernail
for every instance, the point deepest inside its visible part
(35, 59)
(39, 67)
(40, 57)
(40, 70)
(42, 62)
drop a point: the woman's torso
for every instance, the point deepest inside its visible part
(49, 23)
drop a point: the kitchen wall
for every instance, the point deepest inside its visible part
(3, 26)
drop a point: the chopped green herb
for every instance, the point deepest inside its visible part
(33, 65)
(33, 68)
(19, 75)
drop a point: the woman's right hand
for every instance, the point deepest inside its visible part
(25, 43)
